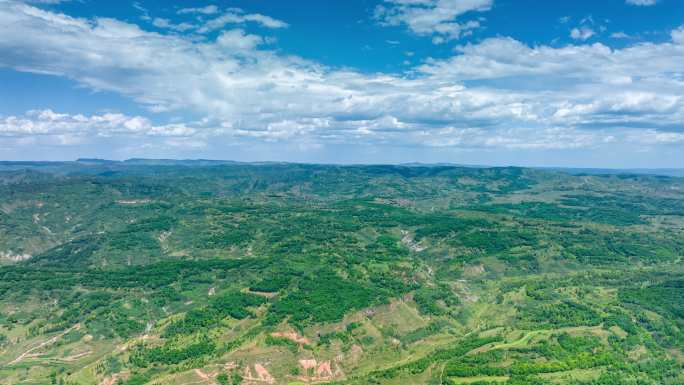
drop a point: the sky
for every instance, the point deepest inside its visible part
(488, 82)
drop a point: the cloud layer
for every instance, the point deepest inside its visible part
(499, 93)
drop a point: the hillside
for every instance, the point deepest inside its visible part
(205, 272)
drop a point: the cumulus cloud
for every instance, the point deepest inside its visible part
(50, 123)
(237, 39)
(436, 18)
(68, 130)
(499, 93)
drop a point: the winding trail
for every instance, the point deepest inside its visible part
(43, 344)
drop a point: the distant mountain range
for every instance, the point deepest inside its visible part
(673, 172)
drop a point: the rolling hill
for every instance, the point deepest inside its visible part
(212, 272)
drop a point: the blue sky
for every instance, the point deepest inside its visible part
(500, 82)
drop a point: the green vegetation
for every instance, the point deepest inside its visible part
(325, 297)
(235, 305)
(179, 272)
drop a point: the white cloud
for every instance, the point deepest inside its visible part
(237, 39)
(237, 16)
(645, 3)
(655, 137)
(49, 123)
(582, 33)
(678, 35)
(499, 93)
(587, 27)
(432, 17)
(167, 24)
(208, 10)
(231, 16)
(47, 1)
(619, 35)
